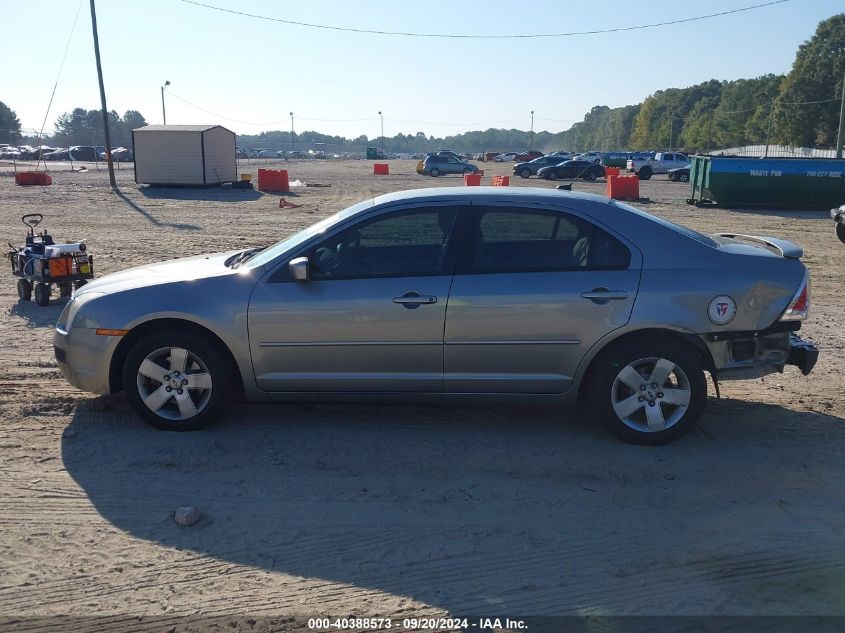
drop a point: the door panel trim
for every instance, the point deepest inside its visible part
(343, 343)
(516, 342)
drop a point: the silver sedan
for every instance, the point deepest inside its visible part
(477, 292)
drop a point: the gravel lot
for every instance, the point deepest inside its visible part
(392, 510)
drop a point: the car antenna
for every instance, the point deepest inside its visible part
(568, 186)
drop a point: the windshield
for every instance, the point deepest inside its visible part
(272, 252)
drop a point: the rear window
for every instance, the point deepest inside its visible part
(683, 230)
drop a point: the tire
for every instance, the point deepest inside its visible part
(550, 175)
(525, 173)
(645, 173)
(25, 289)
(626, 371)
(840, 232)
(434, 172)
(590, 176)
(151, 369)
(683, 177)
(42, 294)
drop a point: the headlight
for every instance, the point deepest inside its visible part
(74, 305)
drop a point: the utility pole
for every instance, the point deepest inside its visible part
(382, 132)
(769, 127)
(839, 137)
(102, 96)
(531, 140)
(163, 113)
(292, 135)
(709, 123)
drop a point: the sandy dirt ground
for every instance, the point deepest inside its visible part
(392, 510)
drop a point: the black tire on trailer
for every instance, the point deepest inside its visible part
(24, 289)
(42, 294)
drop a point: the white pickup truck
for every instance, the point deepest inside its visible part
(662, 162)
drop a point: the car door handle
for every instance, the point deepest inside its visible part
(603, 295)
(414, 299)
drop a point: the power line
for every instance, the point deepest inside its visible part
(480, 37)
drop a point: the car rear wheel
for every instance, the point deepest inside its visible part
(468, 171)
(176, 382)
(525, 173)
(649, 392)
(550, 175)
(435, 172)
(590, 175)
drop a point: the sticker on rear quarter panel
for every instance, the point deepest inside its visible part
(722, 310)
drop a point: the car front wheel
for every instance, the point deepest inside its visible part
(525, 173)
(649, 392)
(435, 172)
(550, 175)
(176, 382)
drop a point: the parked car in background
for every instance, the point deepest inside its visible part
(436, 165)
(526, 170)
(490, 156)
(680, 174)
(120, 155)
(838, 217)
(505, 158)
(572, 169)
(524, 157)
(82, 152)
(662, 162)
(535, 294)
(56, 154)
(10, 153)
(450, 154)
(590, 157)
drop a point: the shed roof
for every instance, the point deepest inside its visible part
(177, 128)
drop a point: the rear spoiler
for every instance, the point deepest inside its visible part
(784, 248)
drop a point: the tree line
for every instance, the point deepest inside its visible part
(800, 108)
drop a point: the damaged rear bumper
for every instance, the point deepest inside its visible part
(802, 354)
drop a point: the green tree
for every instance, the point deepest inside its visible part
(816, 75)
(10, 126)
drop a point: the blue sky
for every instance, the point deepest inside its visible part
(252, 71)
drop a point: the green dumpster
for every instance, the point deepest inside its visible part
(373, 154)
(810, 183)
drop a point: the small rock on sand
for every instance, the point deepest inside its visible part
(186, 515)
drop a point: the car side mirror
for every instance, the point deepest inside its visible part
(300, 269)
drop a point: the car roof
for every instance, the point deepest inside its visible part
(491, 194)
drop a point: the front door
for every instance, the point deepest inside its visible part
(371, 317)
(533, 291)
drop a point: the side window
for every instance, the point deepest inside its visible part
(402, 243)
(668, 157)
(528, 240)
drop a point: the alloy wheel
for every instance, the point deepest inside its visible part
(174, 383)
(651, 395)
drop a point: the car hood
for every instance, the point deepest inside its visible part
(175, 270)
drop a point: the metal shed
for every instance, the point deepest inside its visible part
(184, 155)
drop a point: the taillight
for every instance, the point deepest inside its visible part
(799, 307)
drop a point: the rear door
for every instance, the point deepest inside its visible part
(534, 289)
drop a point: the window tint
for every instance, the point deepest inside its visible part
(668, 157)
(402, 243)
(524, 240)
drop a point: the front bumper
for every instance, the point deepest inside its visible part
(83, 357)
(802, 354)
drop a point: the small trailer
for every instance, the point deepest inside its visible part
(41, 263)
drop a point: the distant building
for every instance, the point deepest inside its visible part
(184, 155)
